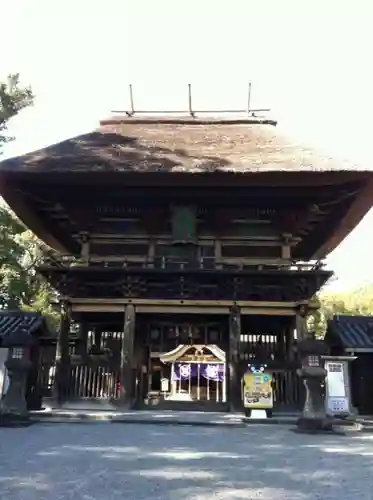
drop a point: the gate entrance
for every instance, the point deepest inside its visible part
(198, 373)
(186, 362)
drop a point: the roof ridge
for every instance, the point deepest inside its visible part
(182, 120)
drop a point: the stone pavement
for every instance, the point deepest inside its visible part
(162, 417)
(136, 462)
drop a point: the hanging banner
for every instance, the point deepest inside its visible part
(257, 390)
(209, 371)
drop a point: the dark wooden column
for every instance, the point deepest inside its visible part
(301, 316)
(290, 342)
(234, 382)
(97, 336)
(61, 380)
(84, 329)
(126, 364)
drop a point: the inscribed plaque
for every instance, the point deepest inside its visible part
(184, 224)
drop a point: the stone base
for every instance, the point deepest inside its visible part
(315, 426)
(250, 412)
(14, 420)
(123, 403)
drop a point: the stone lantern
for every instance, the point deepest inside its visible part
(13, 406)
(313, 374)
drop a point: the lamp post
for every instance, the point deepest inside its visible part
(313, 374)
(13, 406)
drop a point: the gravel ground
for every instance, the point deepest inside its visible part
(137, 462)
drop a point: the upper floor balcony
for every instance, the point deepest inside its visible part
(176, 264)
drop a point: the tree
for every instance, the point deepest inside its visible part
(317, 319)
(13, 99)
(20, 251)
(20, 255)
(356, 302)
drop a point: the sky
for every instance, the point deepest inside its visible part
(307, 60)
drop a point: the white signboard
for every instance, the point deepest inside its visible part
(336, 382)
(338, 405)
(165, 385)
(336, 395)
(4, 382)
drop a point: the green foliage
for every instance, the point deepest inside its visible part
(20, 251)
(20, 254)
(356, 302)
(317, 319)
(13, 98)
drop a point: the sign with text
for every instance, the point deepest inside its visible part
(165, 385)
(257, 390)
(336, 393)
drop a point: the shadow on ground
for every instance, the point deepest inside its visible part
(136, 462)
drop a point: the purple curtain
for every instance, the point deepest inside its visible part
(208, 371)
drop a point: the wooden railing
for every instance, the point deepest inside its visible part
(170, 263)
(97, 382)
(288, 390)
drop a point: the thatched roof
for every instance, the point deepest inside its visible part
(177, 145)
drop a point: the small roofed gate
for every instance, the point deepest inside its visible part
(353, 336)
(41, 350)
(94, 367)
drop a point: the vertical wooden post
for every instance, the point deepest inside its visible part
(151, 253)
(249, 98)
(218, 254)
(83, 335)
(301, 322)
(61, 379)
(97, 336)
(127, 373)
(132, 105)
(290, 353)
(234, 383)
(85, 250)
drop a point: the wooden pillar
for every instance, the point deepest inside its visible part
(85, 250)
(61, 379)
(97, 338)
(126, 362)
(83, 334)
(234, 382)
(301, 322)
(151, 253)
(289, 332)
(218, 254)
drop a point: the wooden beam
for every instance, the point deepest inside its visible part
(254, 261)
(59, 180)
(102, 308)
(269, 311)
(28, 216)
(358, 209)
(203, 239)
(182, 309)
(198, 303)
